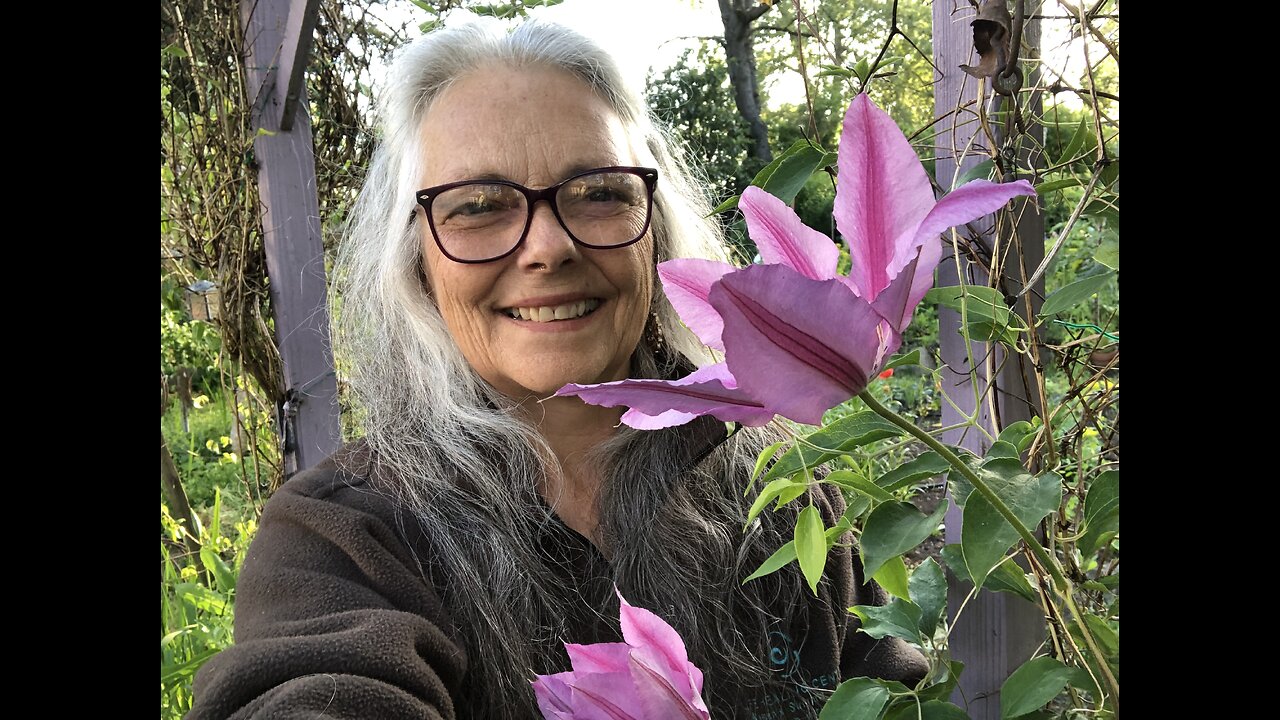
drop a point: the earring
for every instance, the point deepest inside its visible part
(653, 335)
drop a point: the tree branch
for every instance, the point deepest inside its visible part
(755, 12)
(775, 28)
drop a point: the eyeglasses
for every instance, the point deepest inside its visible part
(477, 221)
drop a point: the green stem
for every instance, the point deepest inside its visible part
(1059, 579)
(1061, 584)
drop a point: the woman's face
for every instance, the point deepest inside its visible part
(534, 126)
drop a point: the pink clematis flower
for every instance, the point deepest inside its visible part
(648, 677)
(798, 338)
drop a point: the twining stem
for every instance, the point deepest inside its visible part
(1060, 581)
(1061, 584)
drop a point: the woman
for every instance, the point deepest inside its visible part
(433, 568)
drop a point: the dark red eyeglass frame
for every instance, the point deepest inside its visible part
(648, 175)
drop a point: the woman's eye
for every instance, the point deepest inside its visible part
(478, 207)
(604, 195)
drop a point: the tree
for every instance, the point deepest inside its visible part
(737, 16)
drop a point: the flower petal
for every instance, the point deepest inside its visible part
(798, 346)
(783, 238)
(964, 204)
(555, 697)
(606, 696)
(659, 663)
(897, 302)
(642, 629)
(670, 418)
(708, 391)
(662, 696)
(599, 657)
(686, 283)
(881, 192)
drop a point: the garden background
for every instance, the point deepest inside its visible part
(757, 97)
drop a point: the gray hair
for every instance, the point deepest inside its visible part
(468, 465)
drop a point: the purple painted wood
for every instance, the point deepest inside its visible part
(291, 226)
(996, 632)
(296, 48)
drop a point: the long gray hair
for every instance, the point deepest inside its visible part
(468, 464)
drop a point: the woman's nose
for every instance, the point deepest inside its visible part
(547, 246)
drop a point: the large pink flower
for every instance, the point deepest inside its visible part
(798, 338)
(648, 677)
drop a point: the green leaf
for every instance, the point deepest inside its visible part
(863, 70)
(858, 699)
(789, 171)
(1002, 449)
(1107, 637)
(852, 481)
(1076, 143)
(1019, 434)
(892, 576)
(1101, 512)
(981, 171)
(173, 674)
(907, 709)
(769, 493)
(834, 70)
(1007, 577)
(900, 618)
(982, 308)
(960, 487)
(985, 535)
(836, 439)
(811, 546)
(911, 358)
(728, 204)
(1108, 253)
(894, 528)
(1106, 207)
(221, 572)
(1033, 685)
(926, 465)
(779, 559)
(765, 456)
(1049, 186)
(1069, 296)
(173, 50)
(928, 590)
(788, 495)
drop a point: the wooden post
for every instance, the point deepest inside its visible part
(997, 632)
(277, 41)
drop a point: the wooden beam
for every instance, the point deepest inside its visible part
(997, 632)
(298, 33)
(307, 406)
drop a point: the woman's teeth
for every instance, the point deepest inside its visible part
(547, 313)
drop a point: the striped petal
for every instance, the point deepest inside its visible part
(796, 345)
(708, 391)
(882, 191)
(686, 283)
(784, 239)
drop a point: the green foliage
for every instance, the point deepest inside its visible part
(196, 618)
(185, 342)
(694, 99)
(204, 456)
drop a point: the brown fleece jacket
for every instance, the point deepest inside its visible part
(335, 620)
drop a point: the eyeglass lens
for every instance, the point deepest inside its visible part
(482, 220)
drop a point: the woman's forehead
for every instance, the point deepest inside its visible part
(533, 125)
